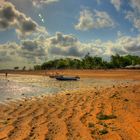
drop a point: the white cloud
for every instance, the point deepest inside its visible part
(124, 45)
(9, 57)
(135, 4)
(39, 3)
(98, 1)
(27, 53)
(134, 18)
(134, 15)
(93, 20)
(64, 45)
(10, 17)
(119, 34)
(116, 4)
(60, 45)
(130, 44)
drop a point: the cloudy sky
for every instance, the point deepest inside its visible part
(33, 31)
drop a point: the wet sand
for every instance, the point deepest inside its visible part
(117, 74)
(105, 113)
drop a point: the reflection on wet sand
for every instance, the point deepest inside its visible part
(19, 86)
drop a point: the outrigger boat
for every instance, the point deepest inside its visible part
(67, 78)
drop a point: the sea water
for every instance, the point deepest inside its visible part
(24, 86)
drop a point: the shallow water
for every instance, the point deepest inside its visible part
(20, 86)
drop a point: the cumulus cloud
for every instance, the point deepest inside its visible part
(119, 34)
(135, 4)
(134, 18)
(124, 45)
(134, 15)
(9, 55)
(116, 4)
(130, 44)
(12, 18)
(33, 47)
(66, 45)
(69, 45)
(69, 52)
(39, 3)
(6, 50)
(60, 45)
(27, 53)
(64, 40)
(98, 1)
(93, 20)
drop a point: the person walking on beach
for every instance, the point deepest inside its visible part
(6, 74)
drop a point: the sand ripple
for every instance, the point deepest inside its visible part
(105, 114)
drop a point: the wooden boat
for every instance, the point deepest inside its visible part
(67, 78)
(54, 76)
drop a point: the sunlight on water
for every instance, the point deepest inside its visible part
(19, 86)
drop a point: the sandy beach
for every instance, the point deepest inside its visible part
(117, 74)
(105, 113)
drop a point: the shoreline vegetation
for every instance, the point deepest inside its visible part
(90, 62)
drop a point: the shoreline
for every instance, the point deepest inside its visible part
(109, 73)
(102, 112)
(37, 85)
(106, 113)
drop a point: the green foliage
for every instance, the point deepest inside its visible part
(102, 132)
(62, 64)
(37, 67)
(118, 61)
(90, 62)
(90, 124)
(16, 68)
(103, 124)
(102, 116)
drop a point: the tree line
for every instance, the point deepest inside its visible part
(90, 62)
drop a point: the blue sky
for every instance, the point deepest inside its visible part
(47, 29)
(63, 15)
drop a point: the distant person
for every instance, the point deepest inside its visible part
(6, 74)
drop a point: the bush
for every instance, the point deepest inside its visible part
(101, 116)
(102, 132)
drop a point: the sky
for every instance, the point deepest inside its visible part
(34, 31)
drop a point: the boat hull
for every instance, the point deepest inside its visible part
(55, 76)
(67, 78)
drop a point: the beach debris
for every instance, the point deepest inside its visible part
(126, 100)
(90, 124)
(8, 98)
(68, 94)
(114, 95)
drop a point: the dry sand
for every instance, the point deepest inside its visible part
(117, 74)
(108, 113)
